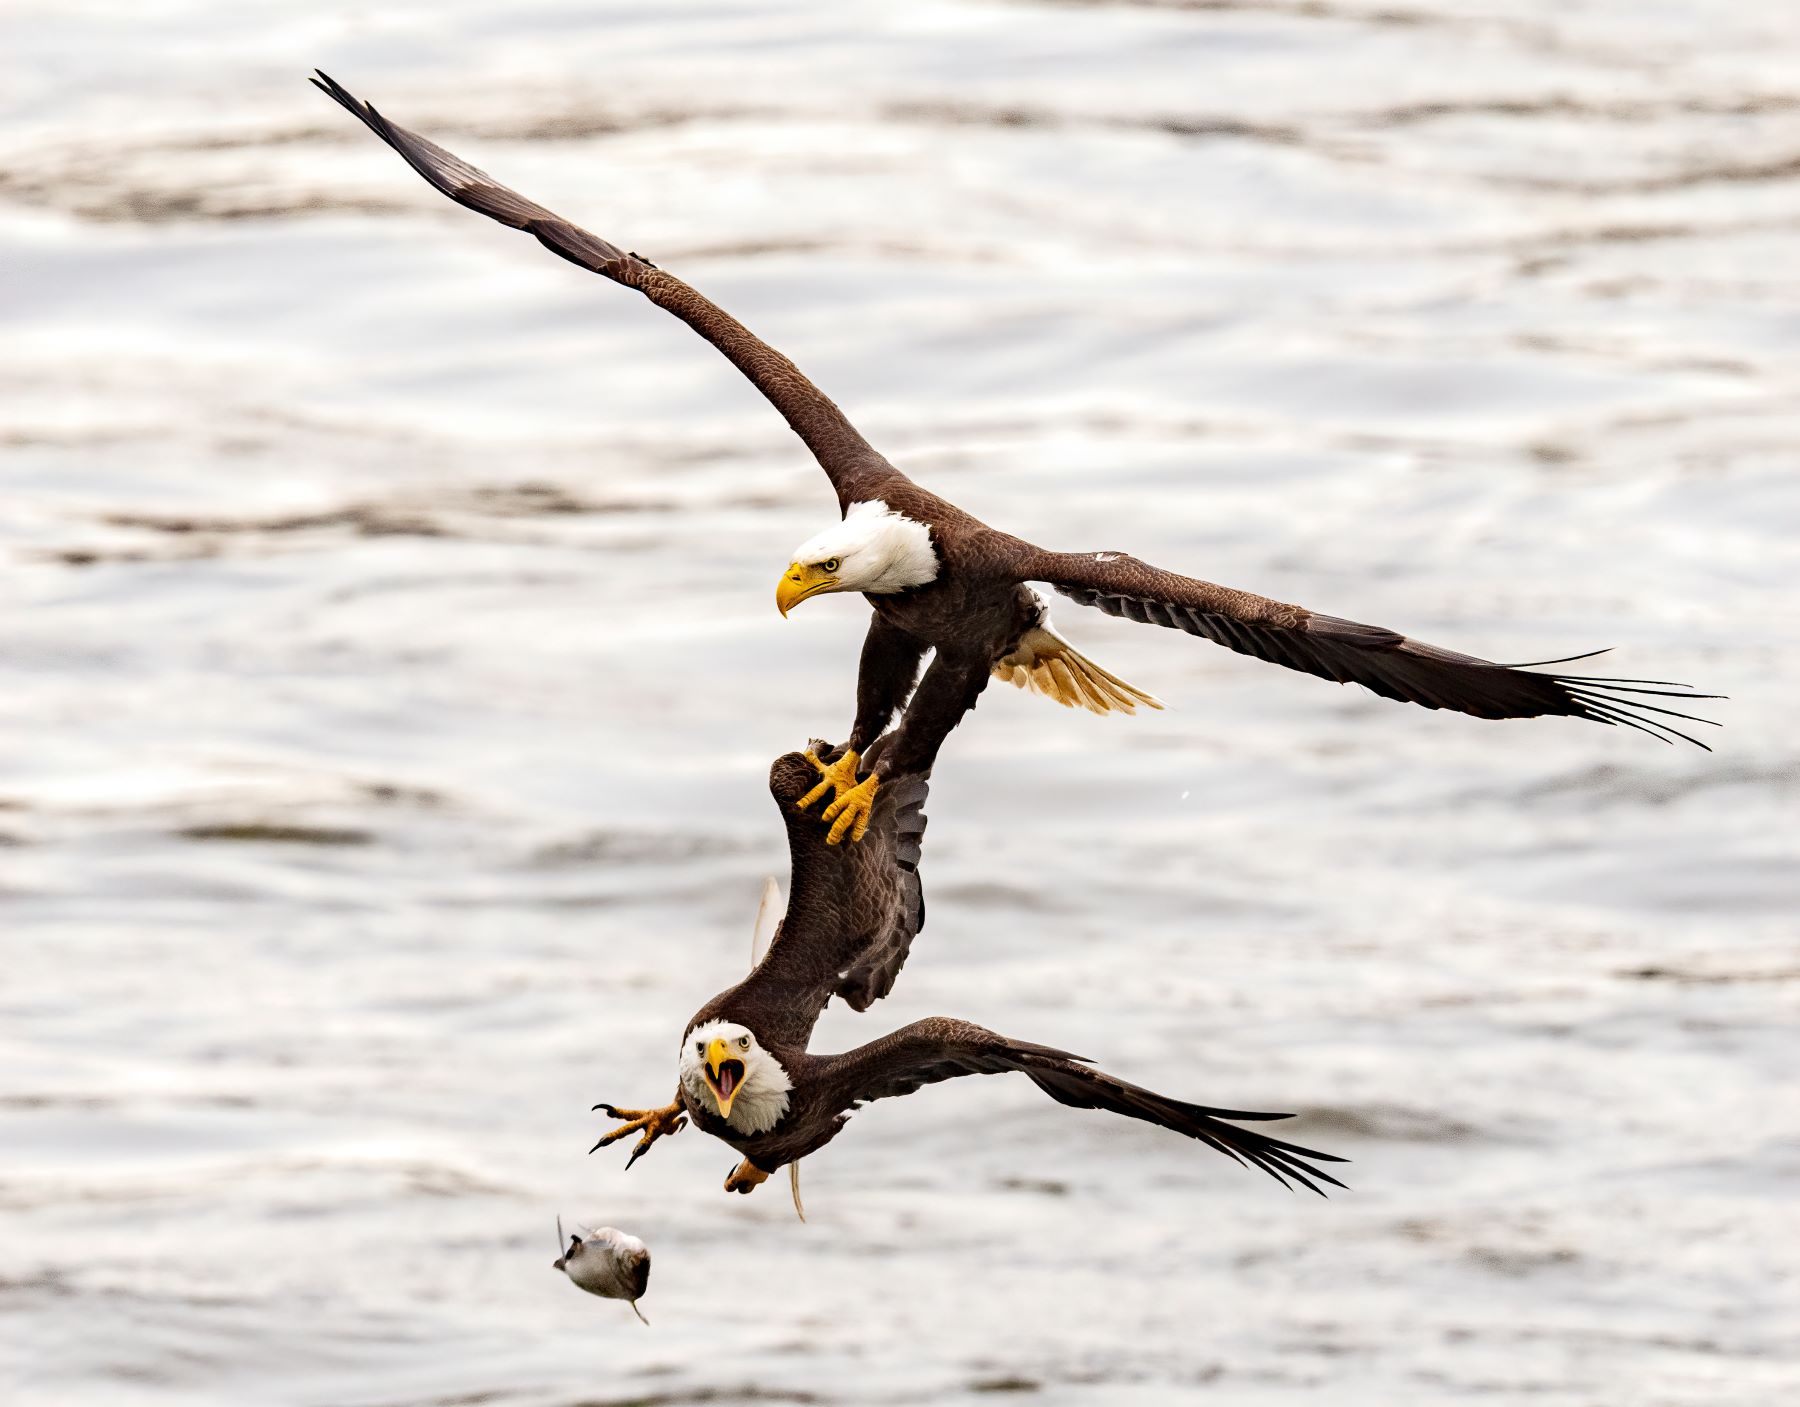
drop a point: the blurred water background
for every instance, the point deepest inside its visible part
(390, 672)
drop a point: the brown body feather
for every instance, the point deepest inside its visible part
(853, 912)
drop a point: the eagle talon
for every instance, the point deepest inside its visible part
(746, 1177)
(651, 1123)
(836, 777)
(850, 812)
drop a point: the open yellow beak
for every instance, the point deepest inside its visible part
(724, 1073)
(798, 582)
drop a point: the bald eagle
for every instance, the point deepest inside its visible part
(745, 1075)
(940, 580)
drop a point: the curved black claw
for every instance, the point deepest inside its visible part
(651, 1123)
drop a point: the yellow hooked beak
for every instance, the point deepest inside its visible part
(798, 582)
(724, 1073)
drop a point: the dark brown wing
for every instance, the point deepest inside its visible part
(885, 899)
(852, 911)
(1383, 661)
(856, 471)
(943, 1048)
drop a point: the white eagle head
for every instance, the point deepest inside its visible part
(874, 549)
(725, 1068)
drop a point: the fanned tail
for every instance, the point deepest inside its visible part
(1045, 663)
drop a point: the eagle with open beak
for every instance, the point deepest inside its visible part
(723, 1069)
(744, 1070)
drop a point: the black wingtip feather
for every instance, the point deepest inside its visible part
(334, 90)
(1281, 1160)
(1602, 704)
(1588, 696)
(345, 99)
(1625, 682)
(1566, 659)
(1613, 721)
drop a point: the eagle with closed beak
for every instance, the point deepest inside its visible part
(941, 581)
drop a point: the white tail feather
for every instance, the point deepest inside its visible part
(1047, 664)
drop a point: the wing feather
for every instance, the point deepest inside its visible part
(942, 1048)
(1382, 661)
(852, 910)
(855, 469)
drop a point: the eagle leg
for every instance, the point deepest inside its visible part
(850, 812)
(745, 1178)
(651, 1123)
(836, 777)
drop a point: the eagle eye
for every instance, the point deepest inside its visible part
(744, 1042)
(699, 1047)
(830, 564)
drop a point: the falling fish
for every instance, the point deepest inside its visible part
(607, 1263)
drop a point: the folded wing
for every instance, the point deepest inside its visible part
(852, 910)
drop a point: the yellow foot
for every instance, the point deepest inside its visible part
(850, 812)
(745, 1177)
(837, 778)
(652, 1123)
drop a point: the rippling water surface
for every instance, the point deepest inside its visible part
(390, 673)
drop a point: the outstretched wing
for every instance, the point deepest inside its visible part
(856, 471)
(943, 1048)
(1383, 661)
(852, 910)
